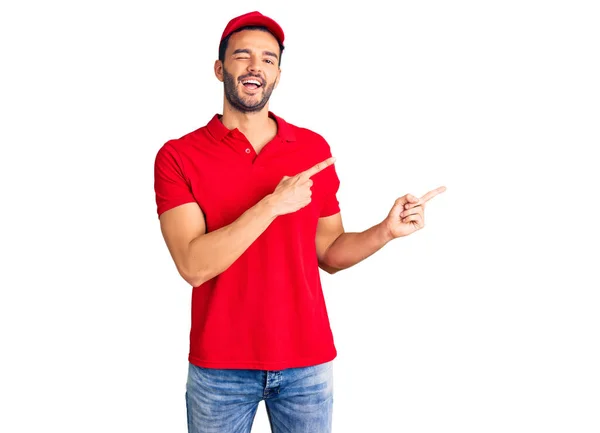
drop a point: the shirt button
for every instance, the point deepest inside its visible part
(247, 150)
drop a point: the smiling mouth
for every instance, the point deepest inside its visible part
(252, 83)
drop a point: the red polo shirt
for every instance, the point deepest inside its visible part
(267, 310)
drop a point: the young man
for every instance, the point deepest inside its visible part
(248, 210)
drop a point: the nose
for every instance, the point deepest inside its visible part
(254, 65)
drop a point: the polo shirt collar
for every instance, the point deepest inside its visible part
(220, 131)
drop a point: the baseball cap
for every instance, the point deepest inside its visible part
(254, 19)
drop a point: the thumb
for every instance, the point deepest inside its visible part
(406, 199)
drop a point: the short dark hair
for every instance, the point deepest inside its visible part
(225, 42)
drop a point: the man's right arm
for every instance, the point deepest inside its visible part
(200, 256)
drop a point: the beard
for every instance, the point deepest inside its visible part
(244, 104)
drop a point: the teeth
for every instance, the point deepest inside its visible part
(251, 82)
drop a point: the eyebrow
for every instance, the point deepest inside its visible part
(247, 51)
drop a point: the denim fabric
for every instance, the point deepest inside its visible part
(298, 400)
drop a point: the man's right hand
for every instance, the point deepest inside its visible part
(294, 193)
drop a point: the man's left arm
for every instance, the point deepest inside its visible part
(337, 250)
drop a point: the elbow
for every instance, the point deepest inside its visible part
(328, 268)
(333, 270)
(194, 281)
(194, 278)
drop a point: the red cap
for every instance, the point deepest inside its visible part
(254, 19)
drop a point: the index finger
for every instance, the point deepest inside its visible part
(317, 168)
(433, 193)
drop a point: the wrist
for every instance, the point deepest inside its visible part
(385, 234)
(268, 206)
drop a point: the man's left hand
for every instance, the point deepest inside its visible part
(407, 215)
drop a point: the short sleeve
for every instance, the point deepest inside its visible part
(171, 186)
(330, 204)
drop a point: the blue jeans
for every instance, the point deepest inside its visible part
(298, 400)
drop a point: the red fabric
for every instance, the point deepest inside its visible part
(267, 310)
(254, 19)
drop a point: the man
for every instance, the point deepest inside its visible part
(248, 210)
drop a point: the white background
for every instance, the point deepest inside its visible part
(484, 321)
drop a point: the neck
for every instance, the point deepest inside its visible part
(247, 123)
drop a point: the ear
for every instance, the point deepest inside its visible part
(219, 70)
(277, 79)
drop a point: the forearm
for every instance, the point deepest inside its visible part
(351, 248)
(212, 253)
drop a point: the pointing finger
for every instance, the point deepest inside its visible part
(317, 168)
(433, 193)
